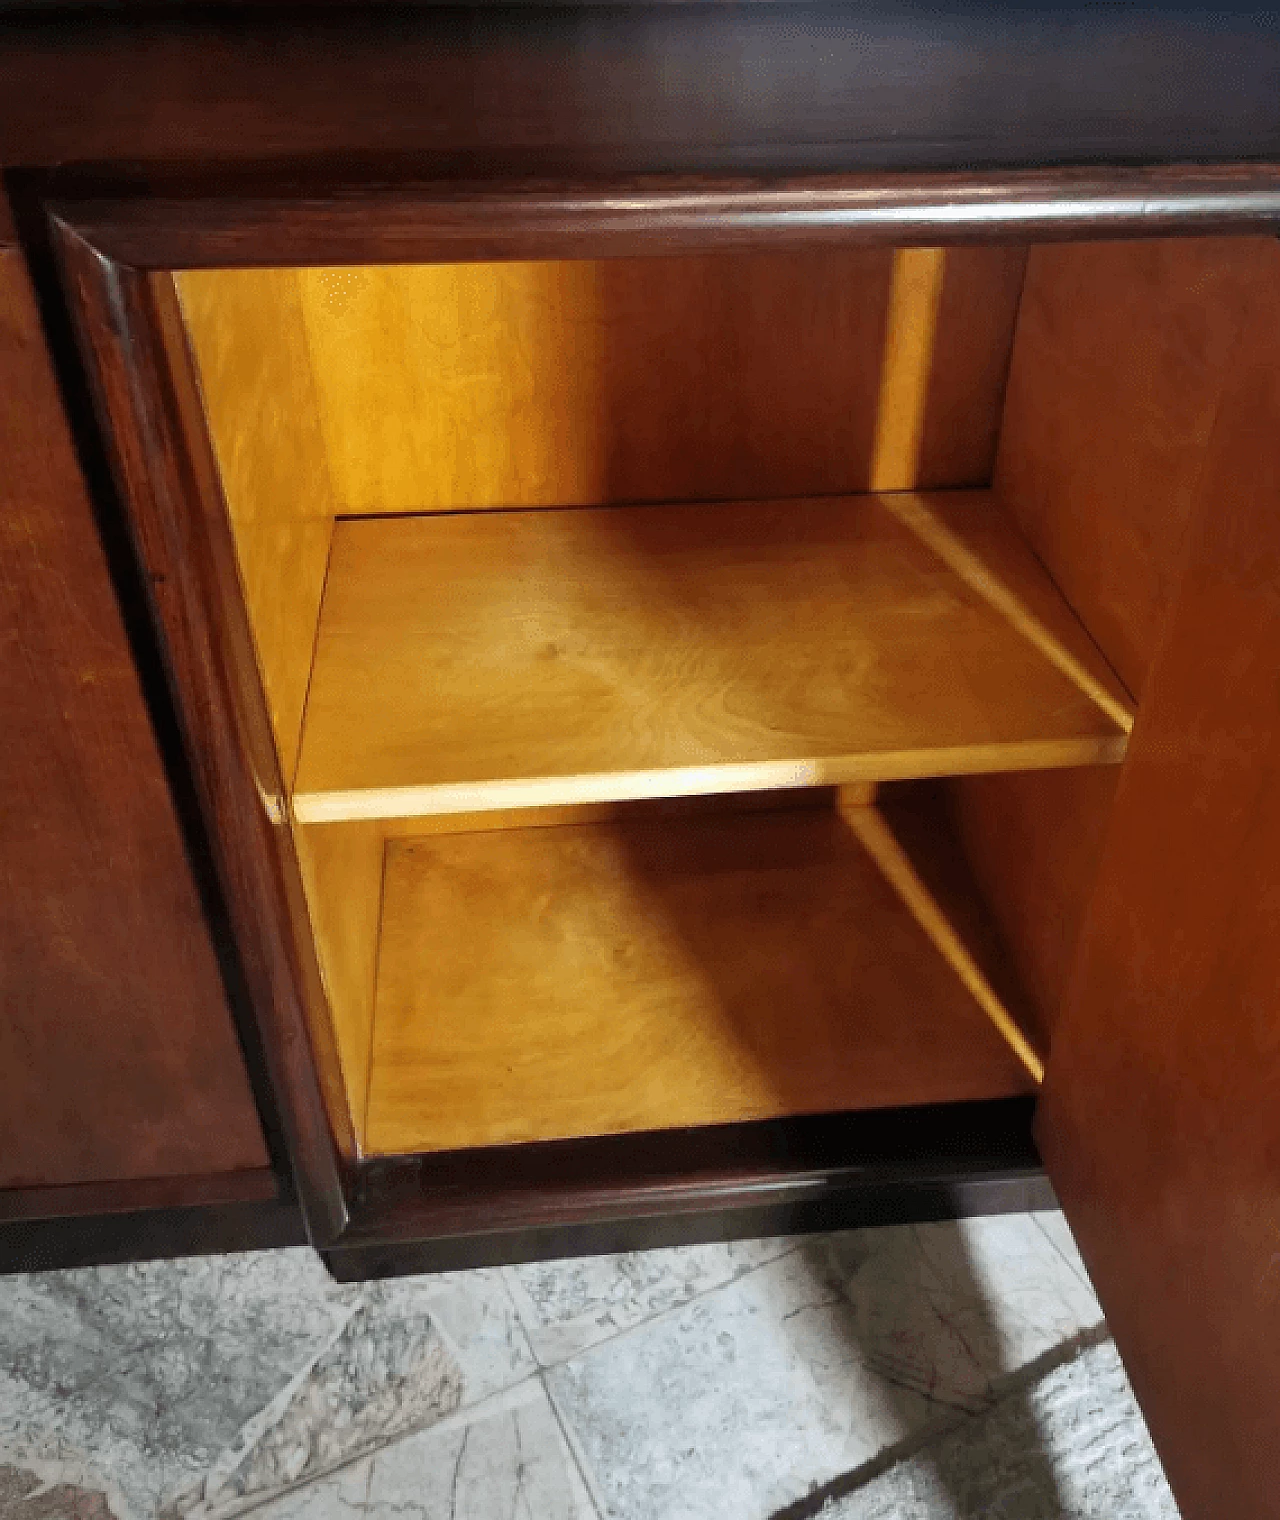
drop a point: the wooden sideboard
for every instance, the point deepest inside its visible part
(641, 624)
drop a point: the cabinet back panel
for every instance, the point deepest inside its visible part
(581, 383)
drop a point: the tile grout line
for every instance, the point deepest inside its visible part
(918, 1442)
(660, 1314)
(1083, 1279)
(462, 1416)
(577, 1455)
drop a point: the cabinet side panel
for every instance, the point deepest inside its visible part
(341, 866)
(1159, 1123)
(254, 366)
(1120, 358)
(118, 1058)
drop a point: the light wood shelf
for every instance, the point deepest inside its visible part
(507, 660)
(591, 979)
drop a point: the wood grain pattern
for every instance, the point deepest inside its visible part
(993, 561)
(915, 296)
(921, 817)
(1121, 354)
(452, 219)
(342, 869)
(1159, 1115)
(536, 658)
(981, 295)
(519, 1202)
(696, 87)
(256, 381)
(581, 383)
(1034, 841)
(554, 982)
(880, 842)
(118, 1056)
(135, 348)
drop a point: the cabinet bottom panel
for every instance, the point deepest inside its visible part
(542, 984)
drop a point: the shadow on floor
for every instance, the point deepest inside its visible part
(1038, 1495)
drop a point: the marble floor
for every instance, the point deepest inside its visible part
(756, 1381)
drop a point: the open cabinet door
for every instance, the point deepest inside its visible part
(1160, 1121)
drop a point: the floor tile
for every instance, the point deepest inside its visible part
(389, 1372)
(950, 1309)
(504, 1460)
(569, 1306)
(340, 1496)
(507, 1461)
(26, 1495)
(734, 1404)
(1055, 1226)
(708, 1382)
(1072, 1447)
(144, 1373)
(477, 1318)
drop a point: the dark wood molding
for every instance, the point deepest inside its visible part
(169, 487)
(595, 89)
(46, 1245)
(895, 1200)
(258, 1186)
(832, 1171)
(449, 222)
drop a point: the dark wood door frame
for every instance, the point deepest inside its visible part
(117, 256)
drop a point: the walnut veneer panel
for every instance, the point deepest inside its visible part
(118, 1058)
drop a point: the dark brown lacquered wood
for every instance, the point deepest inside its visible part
(1159, 1121)
(604, 88)
(900, 1194)
(145, 1193)
(132, 339)
(118, 1056)
(453, 221)
(507, 1203)
(140, 1233)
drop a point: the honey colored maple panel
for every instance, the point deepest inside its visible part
(500, 660)
(341, 867)
(580, 383)
(969, 365)
(590, 980)
(247, 336)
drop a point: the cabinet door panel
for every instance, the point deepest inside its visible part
(1160, 1122)
(118, 1058)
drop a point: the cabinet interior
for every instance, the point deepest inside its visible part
(700, 683)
